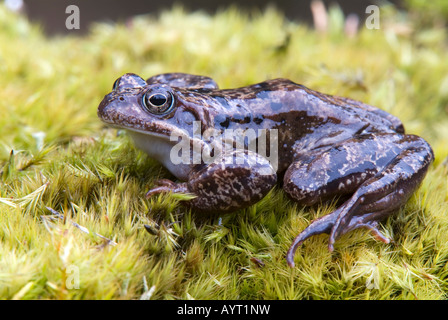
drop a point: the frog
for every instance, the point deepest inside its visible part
(327, 146)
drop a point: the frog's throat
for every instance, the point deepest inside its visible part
(160, 147)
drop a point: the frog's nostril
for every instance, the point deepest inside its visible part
(121, 99)
(105, 103)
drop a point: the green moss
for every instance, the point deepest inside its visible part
(55, 153)
(428, 13)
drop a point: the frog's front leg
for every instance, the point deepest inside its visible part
(232, 182)
(400, 163)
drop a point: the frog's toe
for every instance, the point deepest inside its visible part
(156, 191)
(359, 222)
(322, 225)
(166, 186)
(379, 236)
(164, 182)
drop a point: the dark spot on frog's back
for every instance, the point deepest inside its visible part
(258, 118)
(222, 120)
(239, 118)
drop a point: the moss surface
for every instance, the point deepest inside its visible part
(55, 153)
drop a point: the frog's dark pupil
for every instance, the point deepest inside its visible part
(157, 100)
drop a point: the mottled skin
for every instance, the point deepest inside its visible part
(328, 146)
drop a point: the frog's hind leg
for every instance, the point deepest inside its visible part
(379, 195)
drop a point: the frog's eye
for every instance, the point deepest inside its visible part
(158, 103)
(115, 85)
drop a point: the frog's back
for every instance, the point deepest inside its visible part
(284, 101)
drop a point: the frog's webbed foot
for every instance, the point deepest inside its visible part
(375, 198)
(329, 224)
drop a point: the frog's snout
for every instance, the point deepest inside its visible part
(103, 105)
(110, 105)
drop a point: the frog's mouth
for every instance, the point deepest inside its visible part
(153, 135)
(159, 135)
(159, 147)
(149, 129)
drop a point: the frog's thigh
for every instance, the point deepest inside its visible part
(337, 171)
(387, 191)
(235, 181)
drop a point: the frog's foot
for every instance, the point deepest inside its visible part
(331, 224)
(326, 224)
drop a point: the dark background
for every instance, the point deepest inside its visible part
(50, 14)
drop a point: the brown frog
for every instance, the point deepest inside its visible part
(325, 146)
